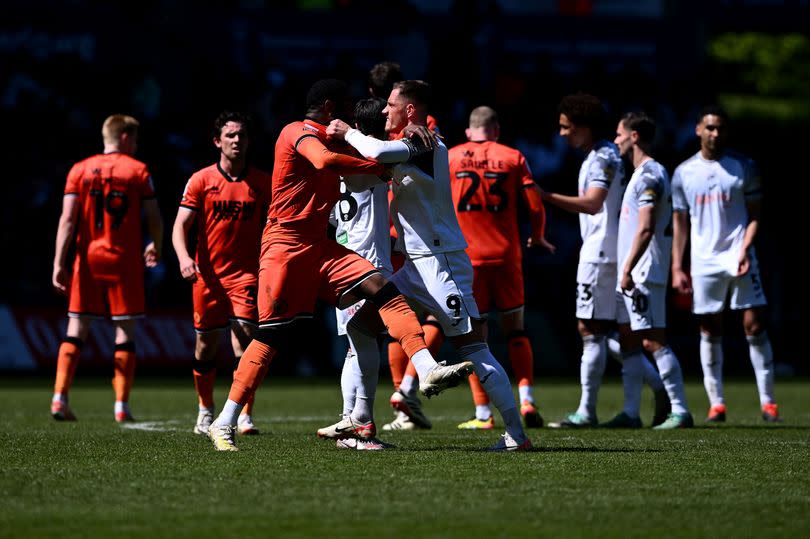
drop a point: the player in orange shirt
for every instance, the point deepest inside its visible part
(487, 179)
(404, 400)
(300, 264)
(101, 211)
(228, 201)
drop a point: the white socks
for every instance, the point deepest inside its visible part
(711, 358)
(759, 348)
(482, 412)
(525, 394)
(229, 414)
(672, 376)
(496, 384)
(408, 386)
(368, 361)
(349, 380)
(594, 359)
(632, 381)
(423, 362)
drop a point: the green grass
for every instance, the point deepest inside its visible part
(93, 478)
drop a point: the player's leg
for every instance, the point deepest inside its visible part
(708, 303)
(632, 358)
(650, 376)
(241, 334)
(203, 368)
(66, 363)
(210, 322)
(124, 367)
(484, 281)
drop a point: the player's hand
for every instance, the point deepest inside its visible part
(189, 269)
(60, 279)
(541, 242)
(337, 129)
(627, 283)
(681, 282)
(743, 263)
(427, 136)
(151, 257)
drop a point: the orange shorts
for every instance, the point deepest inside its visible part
(120, 299)
(498, 287)
(293, 276)
(217, 302)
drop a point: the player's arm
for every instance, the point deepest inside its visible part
(182, 225)
(154, 224)
(385, 151)
(64, 237)
(321, 157)
(680, 234)
(531, 195)
(753, 204)
(590, 203)
(641, 240)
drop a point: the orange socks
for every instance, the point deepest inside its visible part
(522, 358)
(250, 372)
(205, 376)
(480, 397)
(398, 362)
(66, 364)
(403, 325)
(124, 362)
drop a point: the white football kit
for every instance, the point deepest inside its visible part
(645, 308)
(437, 272)
(596, 271)
(715, 194)
(361, 223)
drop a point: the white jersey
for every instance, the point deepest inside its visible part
(361, 220)
(422, 206)
(648, 186)
(602, 168)
(715, 194)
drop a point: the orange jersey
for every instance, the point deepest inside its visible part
(303, 195)
(486, 180)
(230, 218)
(110, 189)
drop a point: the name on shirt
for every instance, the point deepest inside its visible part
(233, 210)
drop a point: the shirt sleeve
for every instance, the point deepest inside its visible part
(679, 202)
(383, 151)
(526, 178)
(752, 184)
(649, 190)
(147, 185)
(191, 194)
(602, 170)
(72, 183)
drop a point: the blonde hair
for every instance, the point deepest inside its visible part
(483, 117)
(116, 125)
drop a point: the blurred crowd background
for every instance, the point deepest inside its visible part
(66, 65)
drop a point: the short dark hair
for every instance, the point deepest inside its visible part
(714, 110)
(417, 91)
(583, 109)
(369, 117)
(327, 89)
(382, 77)
(230, 116)
(641, 124)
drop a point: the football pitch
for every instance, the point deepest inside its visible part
(154, 478)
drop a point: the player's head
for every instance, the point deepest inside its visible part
(484, 124)
(408, 103)
(330, 99)
(634, 129)
(369, 117)
(712, 128)
(382, 77)
(231, 134)
(582, 116)
(121, 132)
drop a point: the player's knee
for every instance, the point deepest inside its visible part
(517, 334)
(75, 341)
(128, 346)
(385, 294)
(202, 367)
(273, 336)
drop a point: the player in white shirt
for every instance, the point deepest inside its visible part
(600, 189)
(716, 196)
(643, 251)
(437, 272)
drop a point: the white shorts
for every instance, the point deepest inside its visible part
(442, 285)
(596, 291)
(342, 316)
(645, 308)
(709, 292)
